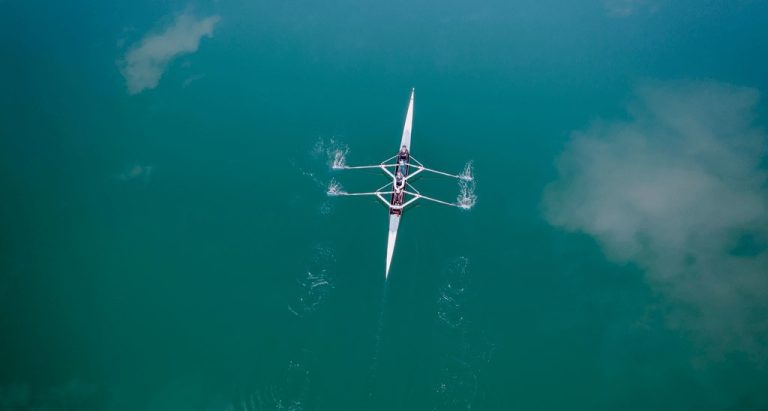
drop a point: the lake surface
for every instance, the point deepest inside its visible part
(175, 249)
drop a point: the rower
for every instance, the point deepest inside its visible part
(403, 154)
(399, 181)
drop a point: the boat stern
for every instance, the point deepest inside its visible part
(394, 223)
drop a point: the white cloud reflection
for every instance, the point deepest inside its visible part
(145, 62)
(680, 190)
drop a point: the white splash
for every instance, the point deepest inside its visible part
(340, 158)
(334, 151)
(467, 198)
(334, 188)
(326, 153)
(468, 173)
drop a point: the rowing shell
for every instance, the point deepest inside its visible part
(400, 185)
(394, 217)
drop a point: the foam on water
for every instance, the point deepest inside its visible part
(290, 390)
(333, 151)
(451, 302)
(326, 208)
(318, 182)
(467, 197)
(334, 188)
(467, 174)
(288, 394)
(326, 154)
(339, 158)
(464, 350)
(315, 283)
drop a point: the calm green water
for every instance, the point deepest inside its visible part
(174, 249)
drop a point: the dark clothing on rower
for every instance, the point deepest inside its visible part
(403, 154)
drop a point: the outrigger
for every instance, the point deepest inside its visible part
(400, 196)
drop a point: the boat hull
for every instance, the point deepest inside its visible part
(398, 199)
(394, 223)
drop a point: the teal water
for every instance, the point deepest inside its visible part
(175, 249)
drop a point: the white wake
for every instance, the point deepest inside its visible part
(464, 351)
(315, 283)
